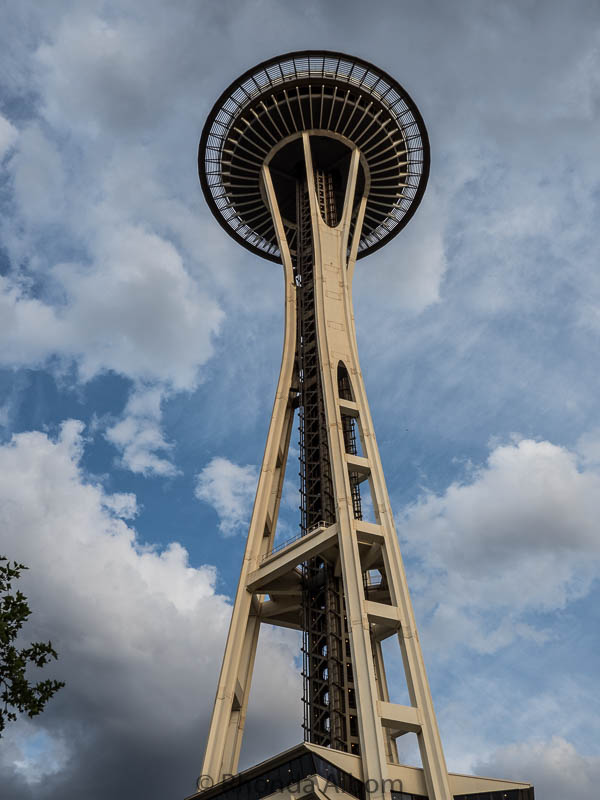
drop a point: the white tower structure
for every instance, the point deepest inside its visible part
(314, 160)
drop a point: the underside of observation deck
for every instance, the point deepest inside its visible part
(321, 92)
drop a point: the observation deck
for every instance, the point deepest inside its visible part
(342, 102)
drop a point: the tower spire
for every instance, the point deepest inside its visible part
(314, 160)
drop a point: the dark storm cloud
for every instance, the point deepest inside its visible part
(139, 632)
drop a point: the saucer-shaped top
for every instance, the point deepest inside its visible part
(327, 94)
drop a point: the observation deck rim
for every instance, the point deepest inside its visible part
(308, 77)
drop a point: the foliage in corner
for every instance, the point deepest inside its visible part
(17, 693)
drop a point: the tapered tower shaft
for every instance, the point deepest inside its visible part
(323, 583)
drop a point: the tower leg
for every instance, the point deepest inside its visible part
(229, 712)
(337, 344)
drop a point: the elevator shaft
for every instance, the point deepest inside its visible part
(329, 697)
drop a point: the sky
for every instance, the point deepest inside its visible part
(139, 352)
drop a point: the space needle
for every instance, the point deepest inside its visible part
(314, 160)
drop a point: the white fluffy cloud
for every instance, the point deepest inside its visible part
(140, 634)
(139, 437)
(230, 489)
(520, 535)
(129, 303)
(130, 298)
(137, 311)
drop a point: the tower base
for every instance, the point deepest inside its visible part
(309, 771)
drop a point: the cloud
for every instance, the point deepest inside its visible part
(30, 330)
(139, 312)
(229, 489)
(555, 767)
(139, 634)
(5, 410)
(588, 448)
(8, 136)
(102, 248)
(408, 275)
(136, 311)
(94, 72)
(121, 73)
(139, 437)
(39, 178)
(518, 535)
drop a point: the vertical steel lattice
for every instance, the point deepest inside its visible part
(329, 698)
(316, 485)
